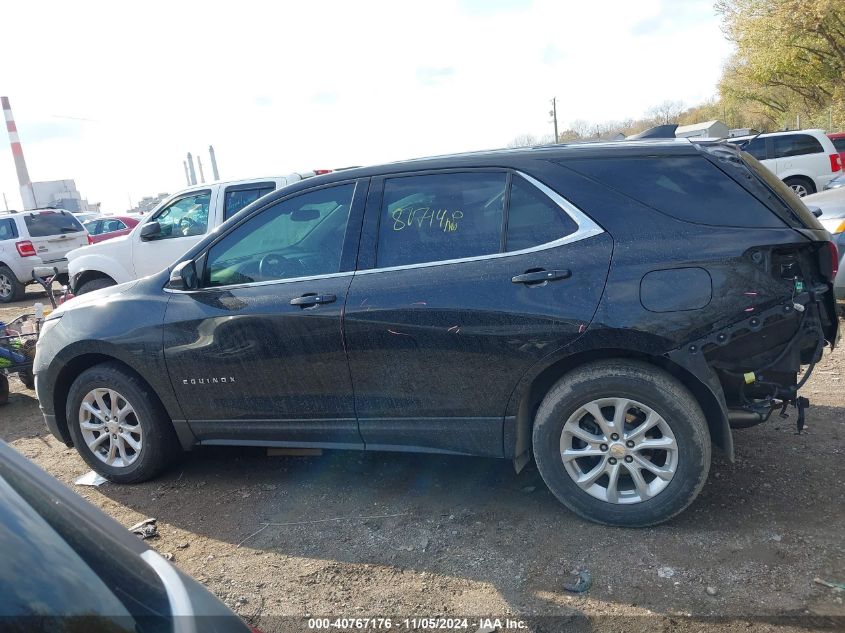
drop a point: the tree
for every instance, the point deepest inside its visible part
(666, 112)
(790, 57)
(524, 140)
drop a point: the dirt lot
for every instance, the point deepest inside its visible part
(380, 534)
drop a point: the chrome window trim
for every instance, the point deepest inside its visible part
(586, 228)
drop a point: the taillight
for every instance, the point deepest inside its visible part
(25, 248)
(835, 163)
(834, 259)
(320, 172)
(90, 239)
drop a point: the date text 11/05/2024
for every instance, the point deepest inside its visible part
(418, 623)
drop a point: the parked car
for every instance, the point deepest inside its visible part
(836, 183)
(64, 561)
(838, 139)
(175, 226)
(832, 205)
(30, 239)
(609, 309)
(109, 227)
(805, 160)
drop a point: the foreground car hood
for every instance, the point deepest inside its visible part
(96, 297)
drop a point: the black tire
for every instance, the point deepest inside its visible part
(95, 284)
(159, 445)
(653, 388)
(10, 288)
(4, 389)
(801, 186)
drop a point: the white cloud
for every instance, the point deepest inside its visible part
(279, 87)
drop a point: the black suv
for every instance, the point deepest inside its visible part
(610, 309)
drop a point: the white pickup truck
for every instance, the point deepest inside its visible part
(170, 230)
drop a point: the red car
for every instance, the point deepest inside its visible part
(838, 139)
(108, 227)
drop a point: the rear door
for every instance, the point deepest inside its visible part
(54, 233)
(799, 154)
(467, 278)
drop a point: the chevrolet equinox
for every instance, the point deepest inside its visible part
(610, 310)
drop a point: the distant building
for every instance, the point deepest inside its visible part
(708, 129)
(148, 203)
(61, 194)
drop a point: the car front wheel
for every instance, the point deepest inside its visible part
(622, 443)
(118, 425)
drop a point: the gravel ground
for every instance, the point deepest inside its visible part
(379, 534)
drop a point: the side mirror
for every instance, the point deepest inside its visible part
(184, 276)
(150, 231)
(816, 211)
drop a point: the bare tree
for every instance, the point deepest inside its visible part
(524, 140)
(666, 112)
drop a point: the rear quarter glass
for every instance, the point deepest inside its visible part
(688, 188)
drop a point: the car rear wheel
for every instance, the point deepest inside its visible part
(118, 425)
(95, 284)
(801, 186)
(622, 443)
(10, 288)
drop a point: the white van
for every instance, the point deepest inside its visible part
(168, 231)
(806, 160)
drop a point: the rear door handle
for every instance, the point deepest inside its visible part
(541, 276)
(311, 299)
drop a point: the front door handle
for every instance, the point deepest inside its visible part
(541, 276)
(311, 299)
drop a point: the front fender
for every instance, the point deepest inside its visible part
(83, 262)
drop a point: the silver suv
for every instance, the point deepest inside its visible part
(29, 239)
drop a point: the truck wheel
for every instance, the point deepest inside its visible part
(622, 443)
(118, 425)
(95, 284)
(800, 185)
(10, 288)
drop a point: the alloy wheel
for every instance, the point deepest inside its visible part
(110, 427)
(800, 190)
(6, 288)
(619, 450)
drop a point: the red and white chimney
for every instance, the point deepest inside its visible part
(27, 193)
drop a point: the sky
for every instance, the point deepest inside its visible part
(114, 97)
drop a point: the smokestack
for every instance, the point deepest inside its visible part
(191, 169)
(27, 192)
(199, 164)
(213, 163)
(187, 176)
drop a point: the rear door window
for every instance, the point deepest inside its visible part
(533, 218)
(795, 145)
(688, 188)
(46, 223)
(437, 217)
(237, 197)
(756, 147)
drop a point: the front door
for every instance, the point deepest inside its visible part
(461, 300)
(184, 222)
(256, 355)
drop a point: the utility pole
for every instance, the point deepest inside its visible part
(553, 114)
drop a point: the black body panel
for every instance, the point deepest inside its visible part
(454, 356)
